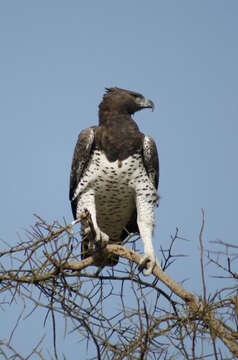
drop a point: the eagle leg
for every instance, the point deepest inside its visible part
(87, 204)
(145, 221)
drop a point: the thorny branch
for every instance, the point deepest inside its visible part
(122, 314)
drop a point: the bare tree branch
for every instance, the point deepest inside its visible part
(122, 313)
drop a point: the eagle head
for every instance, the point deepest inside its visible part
(124, 101)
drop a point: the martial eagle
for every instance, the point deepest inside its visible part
(114, 176)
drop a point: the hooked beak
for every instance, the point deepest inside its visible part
(145, 103)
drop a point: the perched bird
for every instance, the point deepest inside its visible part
(114, 177)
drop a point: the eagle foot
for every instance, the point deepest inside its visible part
(102, 238)
(92, 243)
(152, 260)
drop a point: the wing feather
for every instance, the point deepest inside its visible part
(151, 160)
(80, 160)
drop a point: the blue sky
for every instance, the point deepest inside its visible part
(56, 59)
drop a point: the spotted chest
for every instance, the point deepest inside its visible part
(116, 186)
